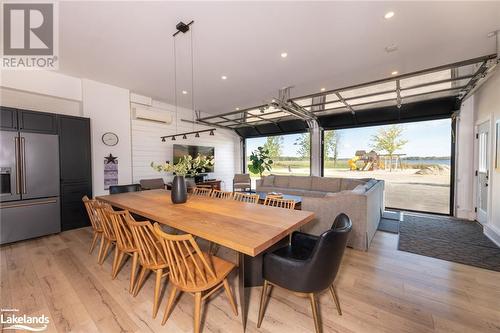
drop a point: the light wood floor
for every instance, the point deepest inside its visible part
(384, 290)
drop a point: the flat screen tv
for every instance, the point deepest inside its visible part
(182, 150)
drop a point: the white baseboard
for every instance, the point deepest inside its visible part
(466, 214)
(492, 233)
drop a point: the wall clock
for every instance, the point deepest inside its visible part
(110, 139)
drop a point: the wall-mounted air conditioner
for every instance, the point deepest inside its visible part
(152, 115)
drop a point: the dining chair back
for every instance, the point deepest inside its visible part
(152, 184)
(244, 197)
(115, 189)
(221, 194)
(150, 254)
(151, 258)
(202, 191)
(193, 271)
(189, 268)
(108, 240)
(279, 202)
(125, 244)
(90, 205)
(122, 231)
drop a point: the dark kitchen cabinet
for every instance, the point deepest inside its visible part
(37, 122)
(73, 213)
(76, 170)
(8, 118)
(74, 148)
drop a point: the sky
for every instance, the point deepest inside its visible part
(425, 138)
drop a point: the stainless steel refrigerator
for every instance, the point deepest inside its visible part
(29, 198)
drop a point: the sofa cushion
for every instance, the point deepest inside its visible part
(314, 194)
(268, 180)
(267, 189)
(360, 189)
(350, 184)
(369, 184)
(281, 181)
(301, 182)
(325, 184)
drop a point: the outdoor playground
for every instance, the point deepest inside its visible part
(420, 183)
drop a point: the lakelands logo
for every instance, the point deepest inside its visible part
(12, 321)
(29, 35)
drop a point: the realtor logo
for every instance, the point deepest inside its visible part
(29, 35)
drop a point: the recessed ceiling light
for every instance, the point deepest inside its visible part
(284, 54)
(394, 73)
(184, 92)
(391, 48)
(388, 15)
(322, 89)
(223, 77)
(237, 109)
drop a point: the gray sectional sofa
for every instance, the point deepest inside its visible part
(361, 199)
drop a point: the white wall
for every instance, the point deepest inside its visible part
(464, 199)
(109, 111)
(148, 147)
(108, 108)
(44, 83)
(31, 101)
(487, 107)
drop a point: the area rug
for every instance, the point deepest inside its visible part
(388, 225)
(448, 239)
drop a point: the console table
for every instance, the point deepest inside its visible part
(214, 184)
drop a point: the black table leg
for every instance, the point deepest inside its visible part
(250, 275)
(241, 289)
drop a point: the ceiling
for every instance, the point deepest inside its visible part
(329, 44)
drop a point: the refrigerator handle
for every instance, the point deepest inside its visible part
(23, 166)
(18, 166)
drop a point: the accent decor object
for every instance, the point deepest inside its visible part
(186, 166)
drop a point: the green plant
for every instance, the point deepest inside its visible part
(186, 166)
(260, 161)
(389, 140)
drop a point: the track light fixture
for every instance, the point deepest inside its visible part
(185, 135)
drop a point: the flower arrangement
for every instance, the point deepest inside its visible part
(186, 166)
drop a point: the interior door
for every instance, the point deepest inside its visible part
(483, 172)
(9, 166)
(40, 165)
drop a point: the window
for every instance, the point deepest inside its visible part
(290, 153)
(417, 173)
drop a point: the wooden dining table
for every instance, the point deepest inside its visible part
(247, 228)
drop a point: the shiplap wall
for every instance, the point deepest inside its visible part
(147, 146)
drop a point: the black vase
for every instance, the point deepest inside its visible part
(179, 191)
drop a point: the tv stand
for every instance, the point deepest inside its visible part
(213, 184)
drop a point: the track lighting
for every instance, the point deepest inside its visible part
(184, 135)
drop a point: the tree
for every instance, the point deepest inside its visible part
(273, 145)
(260, 161)
(331, 145)
(389, 140)
(304, 145)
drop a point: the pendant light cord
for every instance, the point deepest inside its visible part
(192, 77)
(175, 86)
